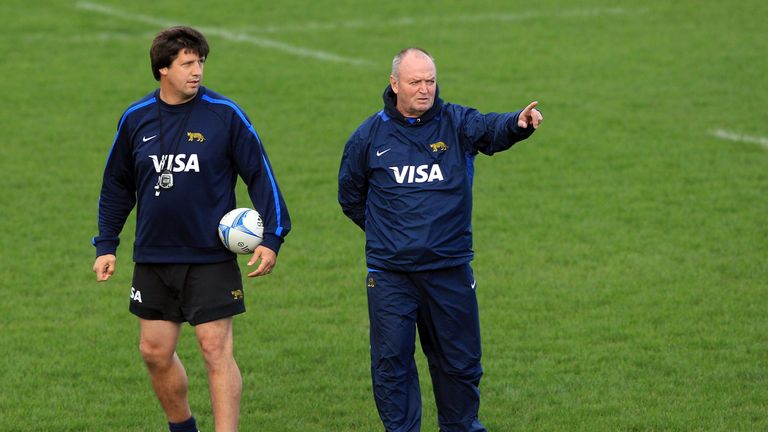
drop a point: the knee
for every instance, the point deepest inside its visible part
(215, 351)
(393, 368)
(155, 355)
(470, 374)
(468, 369)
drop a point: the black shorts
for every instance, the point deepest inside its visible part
(196, 293)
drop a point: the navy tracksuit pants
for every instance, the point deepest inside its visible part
(442, 305)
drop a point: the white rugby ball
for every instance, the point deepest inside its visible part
(241, 230)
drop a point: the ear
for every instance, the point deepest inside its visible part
(163, 71)
(393, 83)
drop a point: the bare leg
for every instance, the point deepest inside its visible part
(157, 344)
(224, 380)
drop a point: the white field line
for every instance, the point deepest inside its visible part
(227, 34)
(445, 20)
(733, 136)
(87, 38)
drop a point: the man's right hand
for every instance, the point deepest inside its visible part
(104, 267)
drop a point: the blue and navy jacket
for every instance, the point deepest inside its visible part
(205, 144)
(408, 182)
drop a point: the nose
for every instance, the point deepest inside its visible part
(197, 69)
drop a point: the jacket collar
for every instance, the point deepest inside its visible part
(390, 108)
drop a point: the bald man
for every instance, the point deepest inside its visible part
(406, 180)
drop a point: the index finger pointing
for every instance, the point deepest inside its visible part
(530, 106)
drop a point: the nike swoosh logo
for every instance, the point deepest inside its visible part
(379, 153)
(145, 139)
(474, 284)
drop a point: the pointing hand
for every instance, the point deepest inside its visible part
(530, 115)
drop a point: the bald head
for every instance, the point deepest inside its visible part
(414, 80)
(412, 51)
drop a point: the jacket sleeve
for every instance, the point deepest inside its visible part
(353, 180)
(492, 132)
(254, 168)
(118, 192)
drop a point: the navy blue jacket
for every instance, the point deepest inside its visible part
(205, 143)
(408, 184)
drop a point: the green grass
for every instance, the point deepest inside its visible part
(620, 253)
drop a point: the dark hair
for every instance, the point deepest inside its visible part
(167, 44)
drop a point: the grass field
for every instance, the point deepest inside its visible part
(621, 253)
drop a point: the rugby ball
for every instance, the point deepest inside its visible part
(241, 230)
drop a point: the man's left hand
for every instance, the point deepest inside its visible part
(530, 116)
(268, 259)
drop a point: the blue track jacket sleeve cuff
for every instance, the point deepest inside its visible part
(105, 245)
(273, 242)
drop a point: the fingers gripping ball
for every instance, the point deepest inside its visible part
(241, 230)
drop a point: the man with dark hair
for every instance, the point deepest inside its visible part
(176, 157)
(406, 180)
